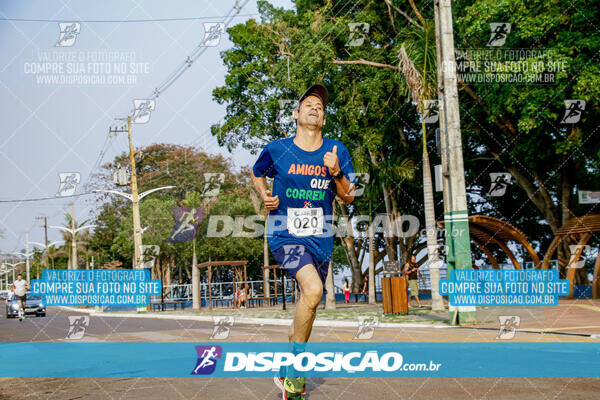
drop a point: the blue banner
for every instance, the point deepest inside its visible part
(115, 287)
(350, 359)
(489, 288)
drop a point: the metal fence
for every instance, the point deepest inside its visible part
(224, 290)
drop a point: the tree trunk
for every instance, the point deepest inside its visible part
(391, 244)
(155, 271)
(351, 252)
(330, 296)
(266, 272)
(565, 187)
(169, 271)
(437, 303)
(196, 299)
(372, 294)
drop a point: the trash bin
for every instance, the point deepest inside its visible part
(395, 300)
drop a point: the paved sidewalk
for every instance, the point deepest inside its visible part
(580, 316)
(575, 317)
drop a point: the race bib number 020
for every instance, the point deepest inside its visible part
(305, 221)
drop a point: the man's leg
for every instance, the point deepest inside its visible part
(311, 292)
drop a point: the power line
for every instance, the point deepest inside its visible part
(124, 20)
(198, 51)
(45, 198)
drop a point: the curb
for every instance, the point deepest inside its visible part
(254, 321)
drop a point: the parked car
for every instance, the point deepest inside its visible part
(33, 305)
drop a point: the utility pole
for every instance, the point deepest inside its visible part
(137, 230)
(135, 201)
(45, 256)
(456, 220)
(27, 254)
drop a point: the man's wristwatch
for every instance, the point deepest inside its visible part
(339, 175)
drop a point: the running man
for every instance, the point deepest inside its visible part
(308, 172)
(20, 287)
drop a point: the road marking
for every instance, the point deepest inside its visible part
(587, 307)
(561, 328)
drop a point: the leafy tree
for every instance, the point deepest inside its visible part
(516, 127)
(183, 167)
(277, 58)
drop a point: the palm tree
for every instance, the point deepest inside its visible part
(385, 174)
(421, 85)
(53, 252)
(71, 223)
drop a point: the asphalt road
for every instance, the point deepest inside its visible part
(55, 326)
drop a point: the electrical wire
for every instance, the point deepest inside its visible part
(46, 198)
(93, 21)
(177, 73)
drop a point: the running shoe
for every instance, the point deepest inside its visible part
(291, 388)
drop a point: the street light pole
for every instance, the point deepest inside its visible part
(27, 254)
(73, 243)
(14, 267)
(135, 199)
(45, 247)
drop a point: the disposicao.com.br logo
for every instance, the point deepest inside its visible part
(320, 361)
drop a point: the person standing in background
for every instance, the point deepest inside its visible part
(346, 289)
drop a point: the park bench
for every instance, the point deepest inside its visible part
(357, 294)
(252, 301)
(162, 306)
(223, 302)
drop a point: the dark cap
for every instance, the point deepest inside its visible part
(318, 90)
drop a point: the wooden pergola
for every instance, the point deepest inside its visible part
(265, 282)
(486, 231)
(489, 231)
(233, 264)
(580, 230)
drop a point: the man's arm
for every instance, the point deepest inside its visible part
(260, 184)
(343, 187)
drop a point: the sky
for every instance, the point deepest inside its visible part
(51, 125)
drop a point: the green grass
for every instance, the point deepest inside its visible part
(342, 313)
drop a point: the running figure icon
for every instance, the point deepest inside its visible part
(208, 355)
